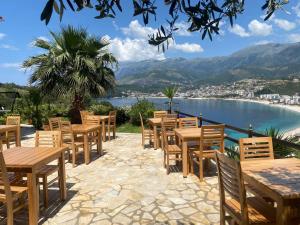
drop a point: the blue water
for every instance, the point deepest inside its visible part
(237, 113)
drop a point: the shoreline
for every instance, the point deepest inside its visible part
(294, 108)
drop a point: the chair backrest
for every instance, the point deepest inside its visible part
(160, 114)
(4, 181)
(231, 186)
(172, 115)
(83, 114)
(212, 136)
(66, 132)
(168, 125)
(256, 148)
(112, 120)
(54, 123)
(48, 138)
(13, 120)
(188, 122)
(142, 122)
(92, 120)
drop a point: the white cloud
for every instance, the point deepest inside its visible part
(9, 47)
(134, 50)
(15, 65)
(284, 24)
(239, 30)
(182, 29)
(136, 30)
(296, 9)
(2, 35)
(187, 47)
(263, 42)
(257, 28)
(294, 37)
(135, 46)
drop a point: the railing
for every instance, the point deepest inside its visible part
(249, 132)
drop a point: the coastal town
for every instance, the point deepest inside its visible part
(248, 89)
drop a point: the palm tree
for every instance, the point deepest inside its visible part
(170, 92)
(73, 64)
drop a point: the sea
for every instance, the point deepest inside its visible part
(240, 114)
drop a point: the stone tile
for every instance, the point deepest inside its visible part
(128, 185)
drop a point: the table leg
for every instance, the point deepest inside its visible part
(155, 137)
(282, 213)
(62, 177)
(99, 143)
(86, 148)
(33, 198)
(103, 130)
(18, 136)
(185, 167)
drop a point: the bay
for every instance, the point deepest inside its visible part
(237, 113)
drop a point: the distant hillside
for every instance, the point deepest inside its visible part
(270, 61)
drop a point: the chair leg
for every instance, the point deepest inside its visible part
(168, 166)
(74, 156)
(143, 141)
(10, 213)
(191, 162)
(108, 131)
(201, 169)
(164, 159)
(45, 191)
(114, 132)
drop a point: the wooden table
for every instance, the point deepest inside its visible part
(85, 130)
(103, 120)
(155, 123)
(280, 180)
(28, 160)
(184, 136)
(12, 128)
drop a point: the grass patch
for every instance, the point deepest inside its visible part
(128, 128)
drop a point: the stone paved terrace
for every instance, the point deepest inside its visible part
(128, 185)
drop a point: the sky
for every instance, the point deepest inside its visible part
(128, 36)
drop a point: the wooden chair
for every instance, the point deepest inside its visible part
(188, 122)
(83, 114)
(160, 114)
(233, 201)
(93, 120)
(47, 139)
(11, 136)
(256, 148)
(211, 140)
(146, 133)
(54, 123)
(172, 115)
(11, 195)
(169, 146)
(112, 124)
(69, 141)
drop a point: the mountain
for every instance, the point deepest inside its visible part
(269, 61)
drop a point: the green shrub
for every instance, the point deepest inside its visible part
(122, 115)
(101, 109)
(144, 107)
(280, 149)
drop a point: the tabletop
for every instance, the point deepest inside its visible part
(187, 133)
(82, 128)
(280, 176)
(156, 121)
(29, 157)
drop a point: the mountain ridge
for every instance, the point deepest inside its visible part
(268, 61)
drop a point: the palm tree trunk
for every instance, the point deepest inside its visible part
(77, 105)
